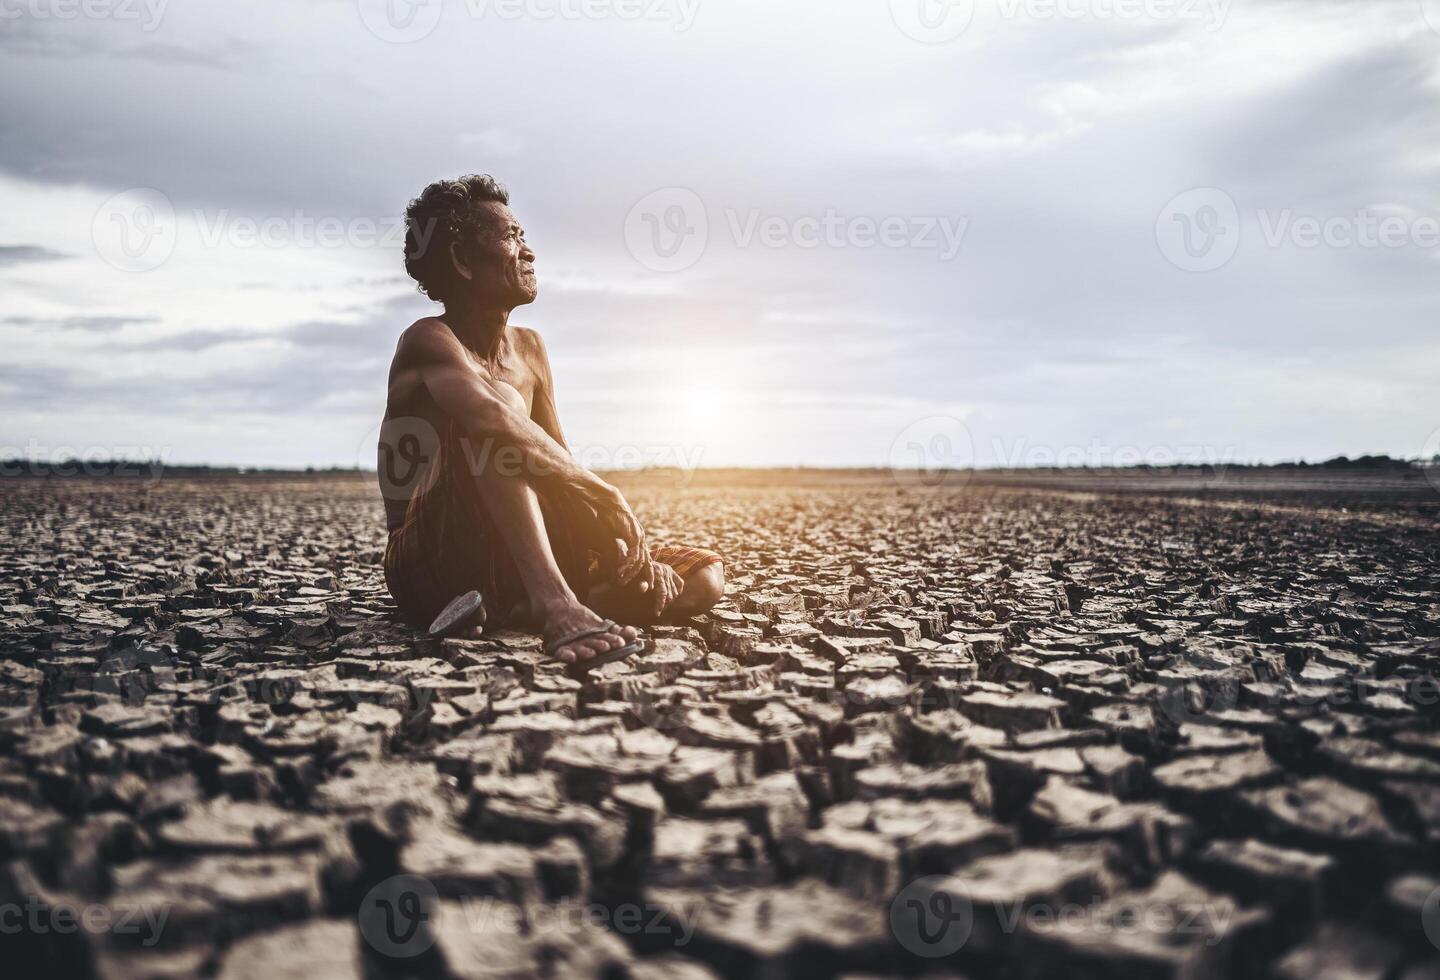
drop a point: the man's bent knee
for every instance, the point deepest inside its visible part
(704, 587)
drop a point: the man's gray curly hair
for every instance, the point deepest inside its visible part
(445, 212)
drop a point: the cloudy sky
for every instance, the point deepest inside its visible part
(849, 232)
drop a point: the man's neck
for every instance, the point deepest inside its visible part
(481, 329)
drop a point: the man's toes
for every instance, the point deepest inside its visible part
(575, 653)
(590, 647)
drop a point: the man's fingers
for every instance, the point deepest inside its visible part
(666, 586)
(627, 570)
(624, 562)
(631, 565)
(629, 544)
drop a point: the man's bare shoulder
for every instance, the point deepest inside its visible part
(426, 339)
(530, 345)
(528, 337)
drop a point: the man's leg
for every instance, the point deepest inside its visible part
(704, 578)
(470, 525)
(514, 509)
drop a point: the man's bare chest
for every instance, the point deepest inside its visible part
(517, 385)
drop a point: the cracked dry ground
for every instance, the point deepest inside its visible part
(1111, 735)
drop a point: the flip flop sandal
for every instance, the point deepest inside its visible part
(459, 615)
(609, 657)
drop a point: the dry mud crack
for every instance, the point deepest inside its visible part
(982, 732)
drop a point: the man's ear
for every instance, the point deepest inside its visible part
(457, 261)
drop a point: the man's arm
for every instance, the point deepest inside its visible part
(543, 411)
(462, 393)
(652, 577)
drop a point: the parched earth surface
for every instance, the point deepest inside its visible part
(978, 731)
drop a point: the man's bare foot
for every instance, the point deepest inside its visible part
(562, 619)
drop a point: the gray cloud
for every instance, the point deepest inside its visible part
(1059, 319)
(89, 324)
(20, 254)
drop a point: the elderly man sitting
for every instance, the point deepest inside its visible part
(481, 494)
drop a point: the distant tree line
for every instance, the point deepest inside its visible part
(155, 469)
(151, 469)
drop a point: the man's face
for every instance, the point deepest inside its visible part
(501, 265)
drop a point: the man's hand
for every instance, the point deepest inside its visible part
(668, 585)
(618, 520)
